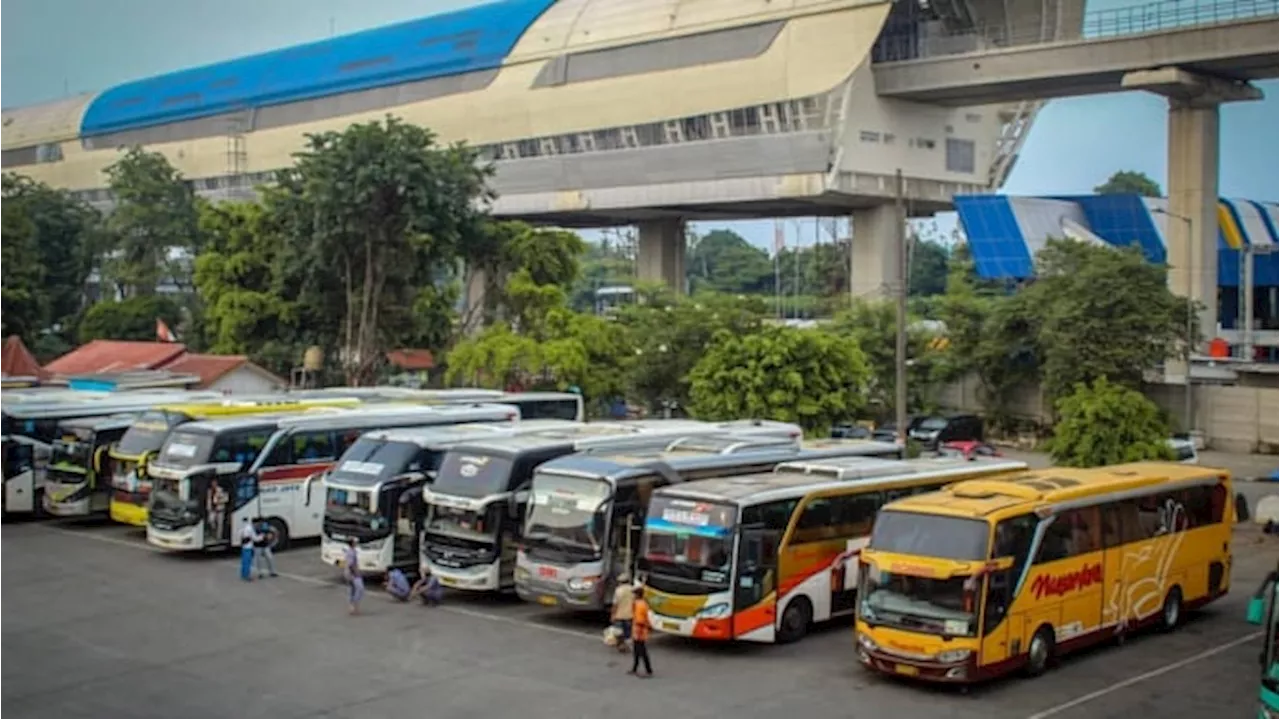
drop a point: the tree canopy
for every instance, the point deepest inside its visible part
(1129, 182)
(1104, 423)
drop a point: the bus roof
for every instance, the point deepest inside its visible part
(273, 403)
(452, 433)
(796, 479)
(93, 405)
(380, 415)
(1031, 490)
(233, 424)
(99, 424)
(581, 437)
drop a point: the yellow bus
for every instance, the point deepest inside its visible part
(989, 576)
(760, 557)
(130, 486)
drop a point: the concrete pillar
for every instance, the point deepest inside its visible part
(660, 254)
(1192, 246)
(872, 263)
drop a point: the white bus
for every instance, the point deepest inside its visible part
(586, 512)
(373, 493)
(476, 506)
(760, 557)
(30, 426)
(199, 497)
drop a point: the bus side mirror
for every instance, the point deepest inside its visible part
(515, 501)
(1255, 611)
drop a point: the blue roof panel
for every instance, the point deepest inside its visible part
(467, 40)
(1122, 220)
(995, 240)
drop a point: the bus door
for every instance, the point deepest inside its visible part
(755, 602)
(410, 515)
(1002, 628)
(19, 476)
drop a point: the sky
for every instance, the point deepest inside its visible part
(54, 48)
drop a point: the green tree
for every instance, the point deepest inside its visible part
(155, 211)
(1100, 312)
(1105, 423)
(387, 211)
(235, 279)
(928, 272)
(1129, 182)
(22, 286)
(722, 261)
(133, 318)
(809, 377)
(873, 326)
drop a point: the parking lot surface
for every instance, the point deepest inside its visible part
(97, 624)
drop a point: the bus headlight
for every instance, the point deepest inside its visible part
(867, 643)
(951, 656)
(715, 611)
(582, 584)
(522, 574)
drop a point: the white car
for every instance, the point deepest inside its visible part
(1184, 451)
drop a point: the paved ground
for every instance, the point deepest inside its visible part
(97, 625)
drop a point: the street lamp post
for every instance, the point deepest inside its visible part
(1188, 411)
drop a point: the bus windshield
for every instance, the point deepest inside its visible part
(567, 513)
(351, 507)
(148, 432)
(372, 461)
(935, 606)
(689, 540)
(465, 524)
(930, 535)
(468, 474)
(173, 498)
(70, 454)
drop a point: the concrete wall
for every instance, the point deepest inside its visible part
(245, 380)
(1233, 419)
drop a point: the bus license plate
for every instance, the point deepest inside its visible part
(906, 670)
(548, 600)
(671, 626)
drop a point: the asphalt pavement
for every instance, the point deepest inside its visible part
(97, 624)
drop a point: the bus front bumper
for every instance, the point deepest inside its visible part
(130, 514)
(480, 578)
(963, 669)
(66, 508)
(556, 594)
(183, 540)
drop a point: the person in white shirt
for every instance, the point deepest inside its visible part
(248, 538)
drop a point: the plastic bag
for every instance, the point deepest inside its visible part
(612, 634)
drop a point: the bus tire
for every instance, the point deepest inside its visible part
(795, 621)
(1040, 651)
(282, 534)
(1171, 611)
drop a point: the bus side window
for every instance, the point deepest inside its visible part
(313, 447)
(1071, 533)
(1121, 523)
(999, 587)
(815, 521)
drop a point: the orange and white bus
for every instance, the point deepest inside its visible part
(760, 557)
(989, 576)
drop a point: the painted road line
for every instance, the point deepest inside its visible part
(1085, 699)
(317, 581)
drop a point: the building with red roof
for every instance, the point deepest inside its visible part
(17, 361)
(231, 374)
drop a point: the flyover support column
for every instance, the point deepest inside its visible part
(871, 263)
(660, 254)
(1191, 236)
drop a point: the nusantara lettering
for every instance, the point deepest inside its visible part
(1048, 585)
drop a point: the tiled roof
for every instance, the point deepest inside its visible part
(207, 367)
(411, 359)
(17, 360)
(115, 356)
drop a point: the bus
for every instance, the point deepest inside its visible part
(532, 405)
(1262, 612)
(991, 576)
(760, 558)
(130, 483)
(586, 512)
(191, 487)
(373, 494)
(476, 506)
(78, 479)
(34, 417)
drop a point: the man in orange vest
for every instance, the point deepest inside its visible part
(640, 635)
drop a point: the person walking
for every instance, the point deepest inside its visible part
(640, 635)
(622, 612)
(248, 538)
(264, 558)
(351, 572)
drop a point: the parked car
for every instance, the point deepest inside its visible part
(850, 431)
(888, 432)
(1184, 451)
(968, 449)
(933, 432)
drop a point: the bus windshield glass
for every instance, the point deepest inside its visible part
(566, 409)
(465, 524)
(70, 453)
(468, 474)
(172, 498)
(567, 513)
(371, 461)
(148, 432)
(689, 540)
(945, 607)
(352, 507)
(930, 535)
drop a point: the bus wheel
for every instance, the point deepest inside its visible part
(1040, 652)
(795, 621)
(1171, 613)
(282, 535)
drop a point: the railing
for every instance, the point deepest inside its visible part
(1153, 17)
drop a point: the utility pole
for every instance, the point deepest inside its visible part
(900, 293)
